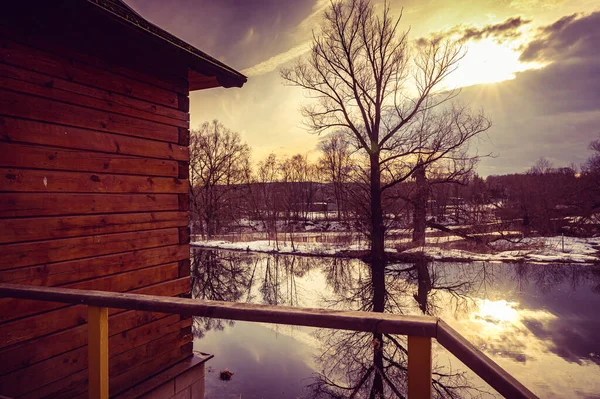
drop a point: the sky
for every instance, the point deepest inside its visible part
(533, 66)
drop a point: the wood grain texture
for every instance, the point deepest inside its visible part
(61, 273)
(47, 158)
(21, 330)
(47, 134)
(124, 324)
(42, 109)
(166, 78)
(69, 69)
(52, 227)
(419, 367)
(41, 204)
(72, 361)
(41, 86)
(48, 86)
(45, 181)
(90, 166)
(97, 353)
(38, 252)
(344, 320)
(11, 308)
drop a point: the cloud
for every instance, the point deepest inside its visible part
(552, 111)
(503, 31)
(277, 60)
(571, 37)
(528, 5)
(240, 33)
(307, 25)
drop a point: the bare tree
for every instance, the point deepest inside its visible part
(298, 185)
(365, 80)
(219, 167)
(592, 165)
(336, 166)
(266, 197)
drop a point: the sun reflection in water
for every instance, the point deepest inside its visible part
(497, 312)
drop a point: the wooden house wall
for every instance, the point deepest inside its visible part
(93, 195)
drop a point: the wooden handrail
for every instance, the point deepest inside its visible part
(413, 326)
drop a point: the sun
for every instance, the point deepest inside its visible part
(487, 61)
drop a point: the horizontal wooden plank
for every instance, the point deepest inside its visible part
(21, 330)
(27, 353)
(42, 109)
(75, 385)
(27, 82)
(47, 158)
(169, 77)
(49, 251)
(166, 357)
(27, 57)
(127, 361)
(47, 181)
(163, 377)
(55, 274)
(38, 204)
(37, 375)
(111, 101)
(34, 132)
(324, 318)
(12, 308)
(45, 228)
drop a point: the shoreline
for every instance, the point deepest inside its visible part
(577, 251)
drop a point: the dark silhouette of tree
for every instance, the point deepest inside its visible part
(359, 74)
(266, 200)
(336, 166)
(367, 365)
(219, 169)
(220, 276)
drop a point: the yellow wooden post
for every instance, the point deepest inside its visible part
(97, 352)
(419, 367)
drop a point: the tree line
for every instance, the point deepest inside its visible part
(280, 194)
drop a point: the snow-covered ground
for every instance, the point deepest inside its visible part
(534, 250)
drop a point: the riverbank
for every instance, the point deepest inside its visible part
(532, 250)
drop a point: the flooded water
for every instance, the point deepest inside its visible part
(539, 322)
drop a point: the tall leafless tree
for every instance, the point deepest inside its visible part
(366, 80)
(219, 167)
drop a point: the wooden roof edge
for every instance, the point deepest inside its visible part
(226, 76)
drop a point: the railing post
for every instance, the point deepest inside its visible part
(419, 367)
(97, 352)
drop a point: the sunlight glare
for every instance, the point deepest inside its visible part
(487, 61)
(496, 312)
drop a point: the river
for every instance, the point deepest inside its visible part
(539, 322)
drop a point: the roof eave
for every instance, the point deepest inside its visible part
(199, 62)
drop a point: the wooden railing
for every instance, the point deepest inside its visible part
(419, 329)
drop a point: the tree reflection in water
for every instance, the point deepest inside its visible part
(365, 365)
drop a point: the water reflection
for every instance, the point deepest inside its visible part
(537, 321)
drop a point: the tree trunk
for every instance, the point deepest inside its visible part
(378, 281)
(420, 206)
(424, 285)
(377, 227)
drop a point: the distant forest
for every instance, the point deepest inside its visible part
(290, 194)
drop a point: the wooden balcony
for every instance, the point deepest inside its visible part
(419, 329)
